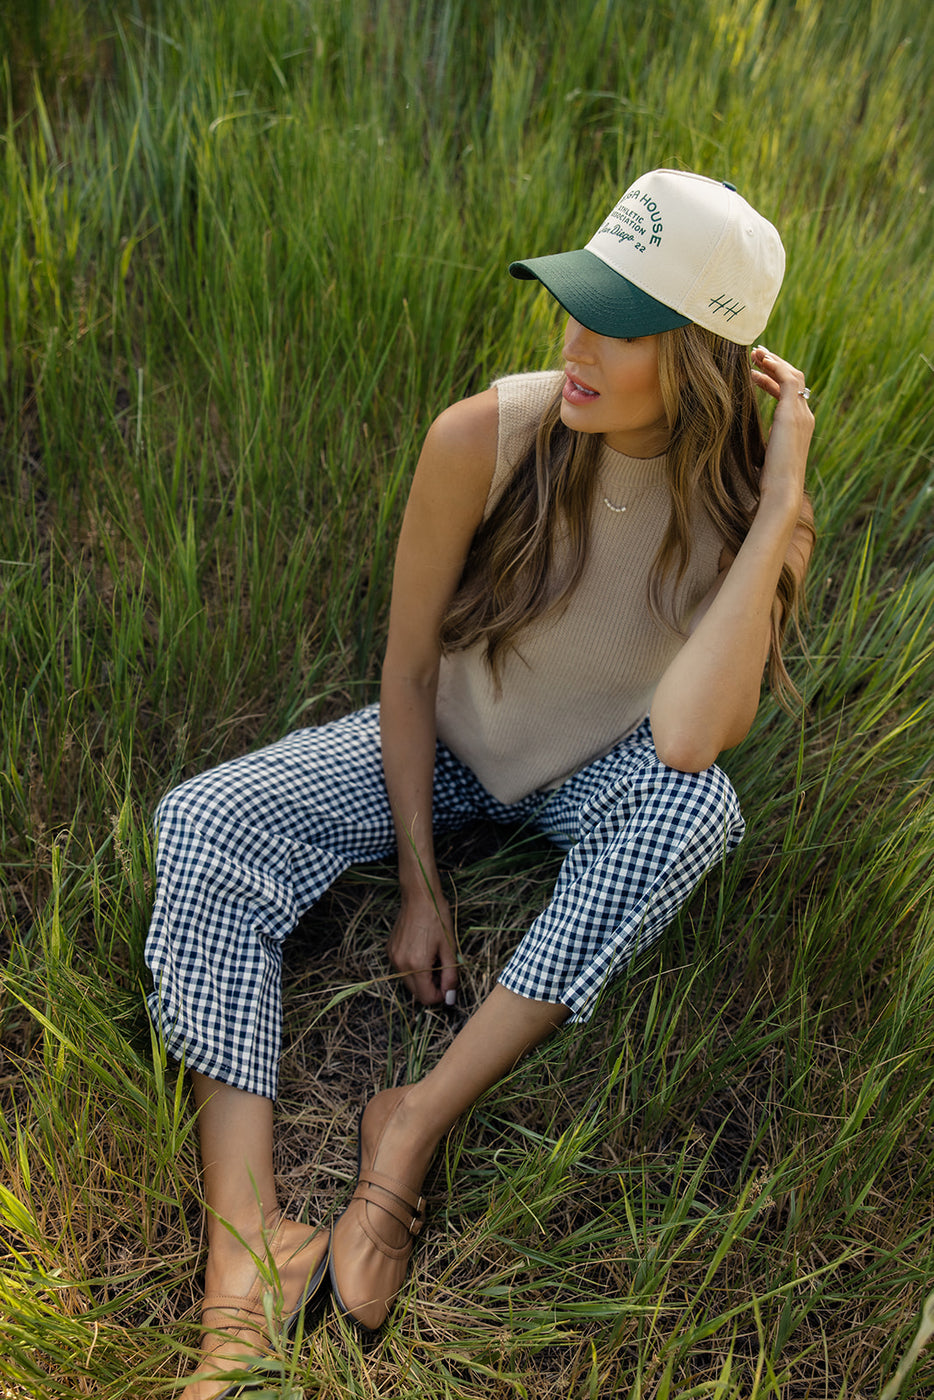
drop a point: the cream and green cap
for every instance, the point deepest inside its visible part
(677, 247)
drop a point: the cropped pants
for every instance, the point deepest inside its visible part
(244, 849)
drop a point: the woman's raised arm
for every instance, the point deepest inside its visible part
(445, 507)
(708, 697)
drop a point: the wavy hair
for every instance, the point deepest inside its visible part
(530, 550)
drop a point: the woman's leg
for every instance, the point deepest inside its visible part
(238, 1181)
(251, 1249)
(643, 835)
(503, 1029)
(242, 851)
(399, 1132)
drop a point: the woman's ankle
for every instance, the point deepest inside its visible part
(413, 1128)
(231, 1243)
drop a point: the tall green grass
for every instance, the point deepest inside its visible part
(248, 252)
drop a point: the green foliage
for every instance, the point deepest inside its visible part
(248, 252)
(59, 47)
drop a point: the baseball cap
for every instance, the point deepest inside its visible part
(677, 247)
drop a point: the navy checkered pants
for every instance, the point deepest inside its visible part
(244, 849)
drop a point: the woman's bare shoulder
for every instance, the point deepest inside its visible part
(455, 468)
(468, 427)
(458, 458)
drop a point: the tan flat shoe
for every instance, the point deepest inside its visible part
(366, 1269)
(240, 1325)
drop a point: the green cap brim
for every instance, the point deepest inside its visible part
(601, 299)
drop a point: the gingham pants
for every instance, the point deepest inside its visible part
(244, 849)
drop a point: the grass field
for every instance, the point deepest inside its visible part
(247, 251)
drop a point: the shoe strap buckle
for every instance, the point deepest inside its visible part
(418, 1219)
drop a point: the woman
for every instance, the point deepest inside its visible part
(595, 566)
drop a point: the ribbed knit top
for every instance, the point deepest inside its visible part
(583, 677)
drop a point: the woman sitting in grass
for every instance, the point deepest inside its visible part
(595, 566)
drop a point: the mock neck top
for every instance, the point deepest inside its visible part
(581, 678)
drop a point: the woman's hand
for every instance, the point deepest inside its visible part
(792, 426)
(422, 948)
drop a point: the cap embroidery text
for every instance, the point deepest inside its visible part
(646, 227)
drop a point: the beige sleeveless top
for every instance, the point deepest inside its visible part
(582, 678)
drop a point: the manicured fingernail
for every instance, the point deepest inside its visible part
(450, 997)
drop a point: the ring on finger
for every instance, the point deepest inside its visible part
(804, 393)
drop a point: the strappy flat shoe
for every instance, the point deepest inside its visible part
(366, 1270)
(245, 1318)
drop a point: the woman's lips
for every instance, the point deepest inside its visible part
(577, 392)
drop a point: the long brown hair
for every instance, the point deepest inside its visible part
(516, 572)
